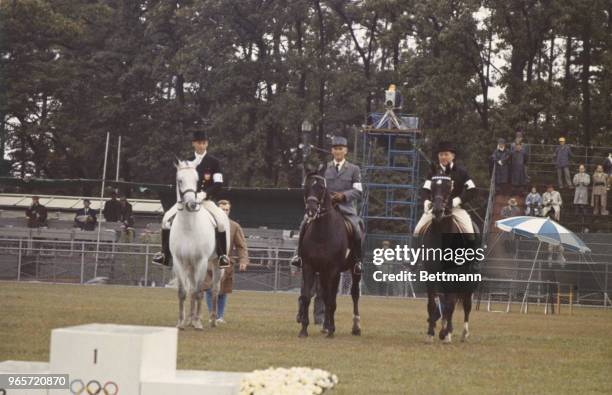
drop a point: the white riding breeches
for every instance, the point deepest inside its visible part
(210, 206)
(460, 216)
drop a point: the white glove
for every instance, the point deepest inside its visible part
(427, 206)
(456, 202)
(499, 162)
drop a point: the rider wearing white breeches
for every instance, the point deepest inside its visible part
(209, 184)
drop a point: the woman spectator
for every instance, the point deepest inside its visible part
(599, 197)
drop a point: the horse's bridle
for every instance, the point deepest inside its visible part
(182, 193)
(439, 179)
(318, 201)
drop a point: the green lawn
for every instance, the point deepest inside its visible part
(507, 353)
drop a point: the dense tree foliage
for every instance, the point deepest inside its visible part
(72, 70)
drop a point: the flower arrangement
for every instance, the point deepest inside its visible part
(294, 381)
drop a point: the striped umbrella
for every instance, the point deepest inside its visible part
(543, 229)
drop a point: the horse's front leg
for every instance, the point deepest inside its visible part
(330, 292)
(433, 313)
(355, 295)
(215, 287)
(181, 296)
(467, 308)
(304, 300)
(450, 299)
(196, 317)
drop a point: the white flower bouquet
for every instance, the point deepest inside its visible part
(293, 381)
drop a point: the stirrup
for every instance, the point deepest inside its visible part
(296, 261)
(224, 261)
(357, 269)
(160, 259)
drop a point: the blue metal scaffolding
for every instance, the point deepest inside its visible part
(391, 178)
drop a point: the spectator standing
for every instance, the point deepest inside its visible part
(563, 154)
(607, 168)
(518, 173)
(86, 218)
(519, 139)
(36, 214)
(533, 203)
(599, 197)
(500, 165)
(581, 196)
(552, 202)
(112, 209)
(237, 247)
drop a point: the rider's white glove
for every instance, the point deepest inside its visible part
(427, 206)
(200, 196)
(456, 202)
(500, 162)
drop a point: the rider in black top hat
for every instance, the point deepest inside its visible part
(210, 184)
(462, 192)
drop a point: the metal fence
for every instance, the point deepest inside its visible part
(74, 261)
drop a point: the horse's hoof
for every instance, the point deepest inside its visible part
(324, 330)
(429, 339)
(330, 335)
(356, 332)
(303, 334)
(465, 336)
(213, 323)
(447, 339)
(442, 334)
(197, 324)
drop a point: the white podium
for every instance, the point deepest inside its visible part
(122, 359)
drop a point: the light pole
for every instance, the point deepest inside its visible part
(305, 145)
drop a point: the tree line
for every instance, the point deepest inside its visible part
(254, 70)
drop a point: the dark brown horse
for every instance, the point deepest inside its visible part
(325, 250)
(444, 233)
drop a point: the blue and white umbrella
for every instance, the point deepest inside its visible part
(543, 229)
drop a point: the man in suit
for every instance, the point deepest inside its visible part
(344, 182)
(86, 218)
(36, 214)
(209, 185)
(238, 247)
(112, 210)
(463, 190)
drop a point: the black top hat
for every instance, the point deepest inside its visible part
(199, 135)
(444, 146)
(339, 141)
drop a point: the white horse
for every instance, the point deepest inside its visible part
(192, 244)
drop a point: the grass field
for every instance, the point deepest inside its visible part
(507, 353)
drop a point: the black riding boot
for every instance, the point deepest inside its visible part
(296, 260)
(164, 257)
(222, 249)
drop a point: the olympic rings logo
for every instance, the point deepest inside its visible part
(93, 387)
